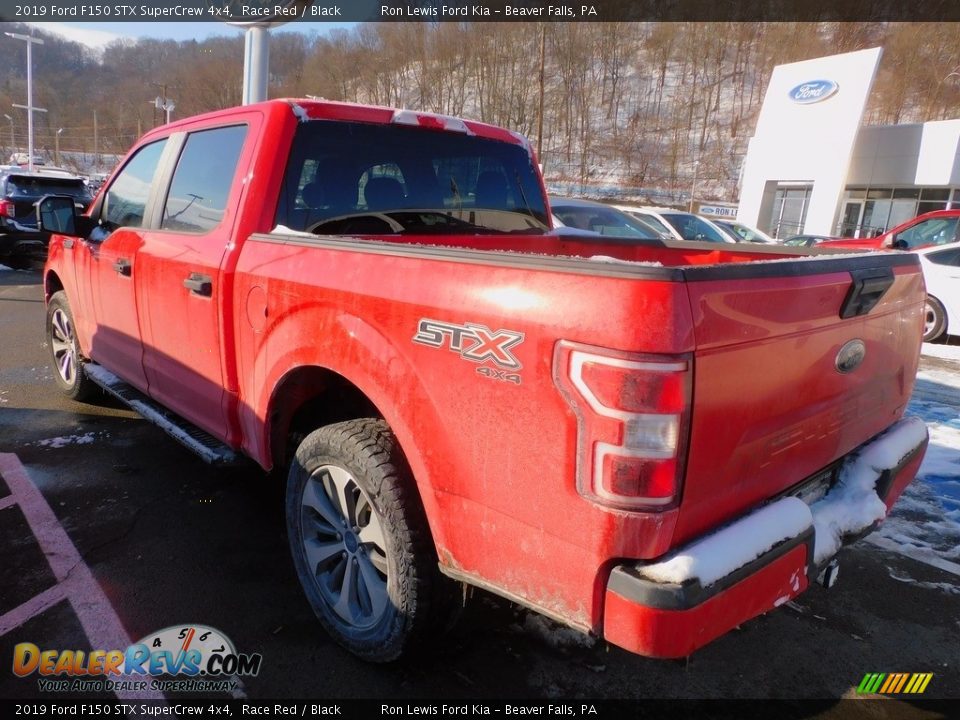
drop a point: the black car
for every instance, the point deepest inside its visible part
(21, 243)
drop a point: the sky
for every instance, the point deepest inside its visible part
(97, 35)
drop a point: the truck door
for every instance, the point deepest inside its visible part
(180, 285)
(106, 270)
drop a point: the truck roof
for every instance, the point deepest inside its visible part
(307, 109)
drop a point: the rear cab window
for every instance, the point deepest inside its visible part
(359, 178)
(197, 199)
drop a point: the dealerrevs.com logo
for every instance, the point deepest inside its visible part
(201, 658)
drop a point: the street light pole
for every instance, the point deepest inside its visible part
(56, 149)
(30, 40)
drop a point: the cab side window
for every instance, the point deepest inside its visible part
(201, 183)
(126, 199)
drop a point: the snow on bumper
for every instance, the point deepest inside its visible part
(699, 592)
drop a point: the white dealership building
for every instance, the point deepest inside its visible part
(812, 168)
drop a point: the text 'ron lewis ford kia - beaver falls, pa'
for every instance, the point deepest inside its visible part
(649, 441)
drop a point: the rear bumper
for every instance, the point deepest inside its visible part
(23, 244)
(696, 594)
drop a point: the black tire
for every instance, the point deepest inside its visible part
(65, 354)
(363, 457)
(934, 319)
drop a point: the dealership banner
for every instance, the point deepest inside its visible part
(459, 708)
(264, 11)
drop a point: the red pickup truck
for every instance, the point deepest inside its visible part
(648, 441)
(938, 227)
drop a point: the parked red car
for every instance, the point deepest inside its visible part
(650, 441)
(933, 228)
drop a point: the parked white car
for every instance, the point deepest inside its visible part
(941, 272)
(743, 233)
(679, 224)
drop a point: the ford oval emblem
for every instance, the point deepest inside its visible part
(813, 91)
(850, 356)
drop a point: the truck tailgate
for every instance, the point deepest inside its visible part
(779, 393)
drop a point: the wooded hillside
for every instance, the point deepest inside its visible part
(629, 104)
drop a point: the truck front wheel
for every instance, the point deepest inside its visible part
(64, 351)
(360, 541)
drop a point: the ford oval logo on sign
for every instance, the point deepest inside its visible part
(813, 91)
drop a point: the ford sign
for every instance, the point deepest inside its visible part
(813, 91)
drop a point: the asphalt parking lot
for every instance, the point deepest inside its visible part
(109, 531)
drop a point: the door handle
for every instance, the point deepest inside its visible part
(199, 284)
(123, 267)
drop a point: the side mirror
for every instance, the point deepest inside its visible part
(57, 214)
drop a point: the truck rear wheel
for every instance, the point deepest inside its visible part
(360, 541)
(64, 351)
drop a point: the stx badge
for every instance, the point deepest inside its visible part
(476, 343)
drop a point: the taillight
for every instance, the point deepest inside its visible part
(8, 209)
(633, 418)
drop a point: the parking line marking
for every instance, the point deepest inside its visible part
(31, 608)
(8, 501)
(99, 620)
(923, 555)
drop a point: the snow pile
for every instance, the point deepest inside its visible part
(944, 352)
(4, 267)
(852, 504)
(611, 259)
(64, 440)
(732, 547)
(925, 522)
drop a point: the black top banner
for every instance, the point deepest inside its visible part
(279, 11)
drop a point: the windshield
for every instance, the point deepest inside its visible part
(691, 227)
(606, 221)
(743, 232)
(654, 222)
(35, 187)
(358, 178)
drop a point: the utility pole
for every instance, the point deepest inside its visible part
(96, 142)
(30, 40)
(56, 149)
(163, 102)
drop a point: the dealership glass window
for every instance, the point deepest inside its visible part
(198, 194)
(789, 210)
(901, 211)
(876, 214)
(935, 194)
(925, 207)
(906, 193)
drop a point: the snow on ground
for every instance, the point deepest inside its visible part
(4, 267)
(945, 352)
(64, 440)
(925, 522)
